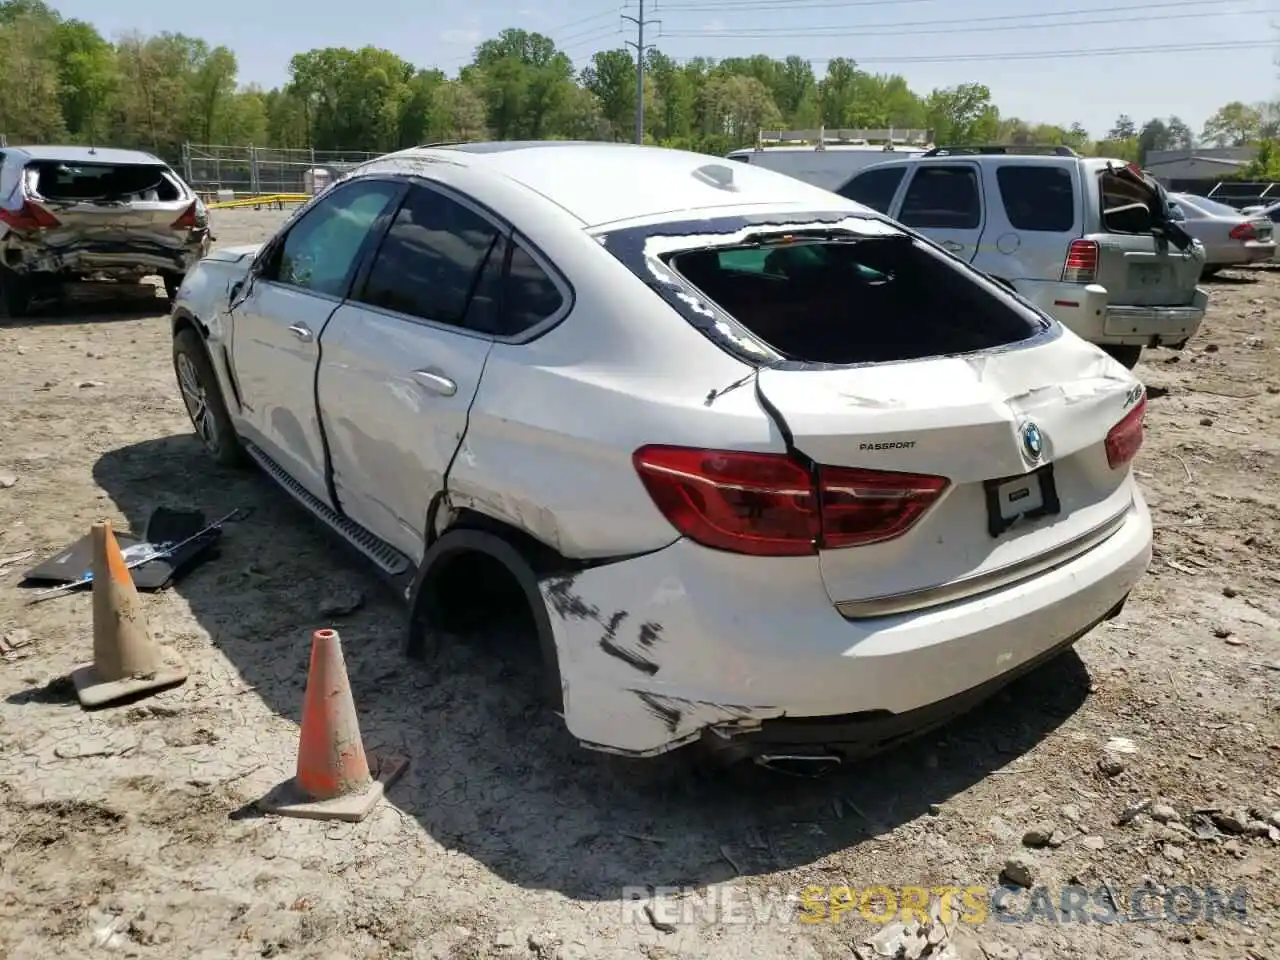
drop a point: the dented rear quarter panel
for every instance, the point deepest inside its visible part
(555, 421)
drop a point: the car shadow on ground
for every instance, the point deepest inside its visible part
(93, 302)
(494, 775)
(1231, 279)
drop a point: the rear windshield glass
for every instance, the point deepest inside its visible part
(840, 298)
(100, 182)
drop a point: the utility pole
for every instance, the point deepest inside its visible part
(640, 48)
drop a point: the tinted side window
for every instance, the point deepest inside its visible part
(1037, 198)
(874, 188)
(529, 297)
(430, 259)
(320, 251)
(945, 198)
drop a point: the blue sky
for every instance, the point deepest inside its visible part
(931, 42)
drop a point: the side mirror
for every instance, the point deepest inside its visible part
(234, 293)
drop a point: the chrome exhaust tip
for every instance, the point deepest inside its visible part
(800, 765)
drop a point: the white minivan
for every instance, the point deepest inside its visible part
(827, 166)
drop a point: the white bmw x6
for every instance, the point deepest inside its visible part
(759, 466)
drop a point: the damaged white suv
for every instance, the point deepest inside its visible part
(74, 213)
(756, 465)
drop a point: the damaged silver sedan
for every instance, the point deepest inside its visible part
(80, 213)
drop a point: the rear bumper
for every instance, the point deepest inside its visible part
(660, 650)
(1085, 311)
(124, 258)
(1154, 326)
(1240, 254)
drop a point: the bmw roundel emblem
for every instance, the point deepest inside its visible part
(1032, 441)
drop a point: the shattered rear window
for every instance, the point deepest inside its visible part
(823, 289)
(100, 182)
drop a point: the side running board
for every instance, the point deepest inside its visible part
(387, 558)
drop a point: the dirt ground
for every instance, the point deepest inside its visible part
(132, 830)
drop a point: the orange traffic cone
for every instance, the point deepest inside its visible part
(127, 661)
(333, 779)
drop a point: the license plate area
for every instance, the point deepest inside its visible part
(1147, 275)
(1011, 500)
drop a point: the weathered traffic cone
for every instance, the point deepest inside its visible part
(127, 661)
(334, 780)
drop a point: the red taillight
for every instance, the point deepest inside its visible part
(766, 504)
(867, 506)
(30, 216)
(189, 219)
(1243, 232)
(1125, 438)
(1081, 265)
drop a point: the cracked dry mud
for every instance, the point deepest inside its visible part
(127, 831)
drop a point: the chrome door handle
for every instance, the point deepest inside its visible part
(301, 331)
(952, 246)
(436, 382)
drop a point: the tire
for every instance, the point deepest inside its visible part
(172, 281)
(202, 397)
(1208, 272)
(1129, 356)
(15, 295)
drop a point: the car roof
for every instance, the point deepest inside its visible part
(603, 183)
(72, 154)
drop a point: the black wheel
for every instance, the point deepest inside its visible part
(203, 398)
(15, 294)
(1129, 356)
(172, 281)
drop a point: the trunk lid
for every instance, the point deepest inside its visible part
(963, 417)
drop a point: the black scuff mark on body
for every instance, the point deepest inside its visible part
(627, 657)
(569, 605)
(662, 710)
(672, 710)
(650, 633)
(608, 645)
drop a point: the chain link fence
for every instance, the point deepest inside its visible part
(225, 172)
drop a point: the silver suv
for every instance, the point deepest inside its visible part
(1089, 241)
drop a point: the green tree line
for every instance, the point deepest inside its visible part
(61, 81)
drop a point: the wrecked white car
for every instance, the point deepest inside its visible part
(754, 465)
(75, 213)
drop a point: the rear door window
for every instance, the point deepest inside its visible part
(942, 198)
(874, 188)
(1037, 198)
(514, 293)
(430, 259)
